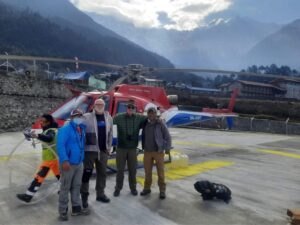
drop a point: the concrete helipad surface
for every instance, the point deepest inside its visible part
(262, 170)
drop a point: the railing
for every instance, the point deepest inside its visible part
(252, 125)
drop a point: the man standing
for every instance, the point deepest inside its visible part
(50, 161)
(99, 132)
(128, 126)
(156, 140)
(70, 147)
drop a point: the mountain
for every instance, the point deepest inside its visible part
(276, 11)
(281, 48)
(65, 32)
(221, 44)
(62, 11)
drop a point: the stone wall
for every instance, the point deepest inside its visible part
(23, 99)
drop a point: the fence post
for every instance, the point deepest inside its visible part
(34, 68)
(286, 125)
(222, 122)
(252, 118)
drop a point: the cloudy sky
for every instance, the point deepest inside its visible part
(190, 14)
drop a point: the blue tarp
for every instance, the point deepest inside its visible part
(77, 76)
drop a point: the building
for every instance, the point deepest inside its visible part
(253, 89)
(291, 85)
(7, 67)
(78, 77)
(191, 92)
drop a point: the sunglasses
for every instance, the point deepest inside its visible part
(130, 107)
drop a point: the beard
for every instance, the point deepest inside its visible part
(99, 110)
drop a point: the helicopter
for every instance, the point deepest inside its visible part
(130, 87)
(144, 97)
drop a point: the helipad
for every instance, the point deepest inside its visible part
(262, 170)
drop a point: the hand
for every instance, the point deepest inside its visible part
(66, 165)
(167, 151)
(33, 135)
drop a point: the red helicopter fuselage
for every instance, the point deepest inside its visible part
(115, 101)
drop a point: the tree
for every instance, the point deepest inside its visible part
(252, 69)
(285, 70)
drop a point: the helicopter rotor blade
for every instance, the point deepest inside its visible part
(219, 72)
(117, 82)
(52, 59)
(146, 69)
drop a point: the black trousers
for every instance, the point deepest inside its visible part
(91, 160)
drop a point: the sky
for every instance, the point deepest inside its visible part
(190, 14)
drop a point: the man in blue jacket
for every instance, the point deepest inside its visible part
(70, 148)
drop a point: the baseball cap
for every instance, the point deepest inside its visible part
(76, 112)
(130, 103)
(152, 109)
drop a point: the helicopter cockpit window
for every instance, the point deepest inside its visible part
(106, 99)
(82, 102)
(122, 107)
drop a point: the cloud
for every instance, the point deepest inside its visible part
(168, 14)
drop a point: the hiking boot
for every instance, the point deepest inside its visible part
(162, 195)
(76, 211)
(134, 192)
(85, 211)
(145, 192)
(117, 193)
(24, 197)
(103, 198)
(63, 217)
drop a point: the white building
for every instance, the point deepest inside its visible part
(291, 85)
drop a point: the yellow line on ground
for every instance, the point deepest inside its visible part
(277, 152)
(218, 145)
(5, 157)
(183, 143)
(190, 143)
(194, 169)
(174, 154)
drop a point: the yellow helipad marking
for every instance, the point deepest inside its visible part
(5, 157)
(194, 169)
(190, 143)
(218, 145)
(183, 143)
(276, 152)
(174, 153)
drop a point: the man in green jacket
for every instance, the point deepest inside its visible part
(128, 126)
